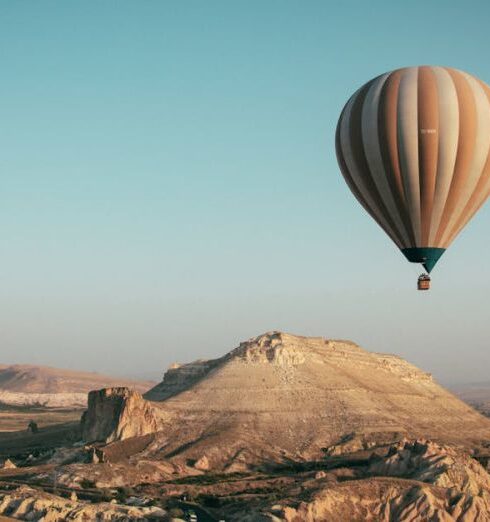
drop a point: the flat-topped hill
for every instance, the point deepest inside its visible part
(282, 394)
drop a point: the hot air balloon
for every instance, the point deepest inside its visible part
(413, 146)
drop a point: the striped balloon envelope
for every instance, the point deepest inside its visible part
(413, 146)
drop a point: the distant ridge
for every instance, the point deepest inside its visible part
(30, 384)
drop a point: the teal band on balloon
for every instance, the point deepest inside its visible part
(427, 256)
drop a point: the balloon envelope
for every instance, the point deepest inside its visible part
(413, 146)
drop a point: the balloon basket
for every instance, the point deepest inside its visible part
(423, 282)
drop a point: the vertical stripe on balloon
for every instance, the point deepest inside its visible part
(428, 122)
(407, 124)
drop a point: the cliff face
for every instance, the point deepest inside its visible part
(117, 414)
(180, 377)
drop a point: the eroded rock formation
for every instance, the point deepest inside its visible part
(440, 483)
(7, 464)
(117, 414)
(26, 503)
(437, 464)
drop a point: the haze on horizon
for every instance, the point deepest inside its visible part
(170, 187)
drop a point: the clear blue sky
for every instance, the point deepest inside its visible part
(169, 184)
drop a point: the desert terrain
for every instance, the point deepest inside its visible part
(282, 427)
(50, 395)
(22, 384)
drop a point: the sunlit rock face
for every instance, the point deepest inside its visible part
(117, 414)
